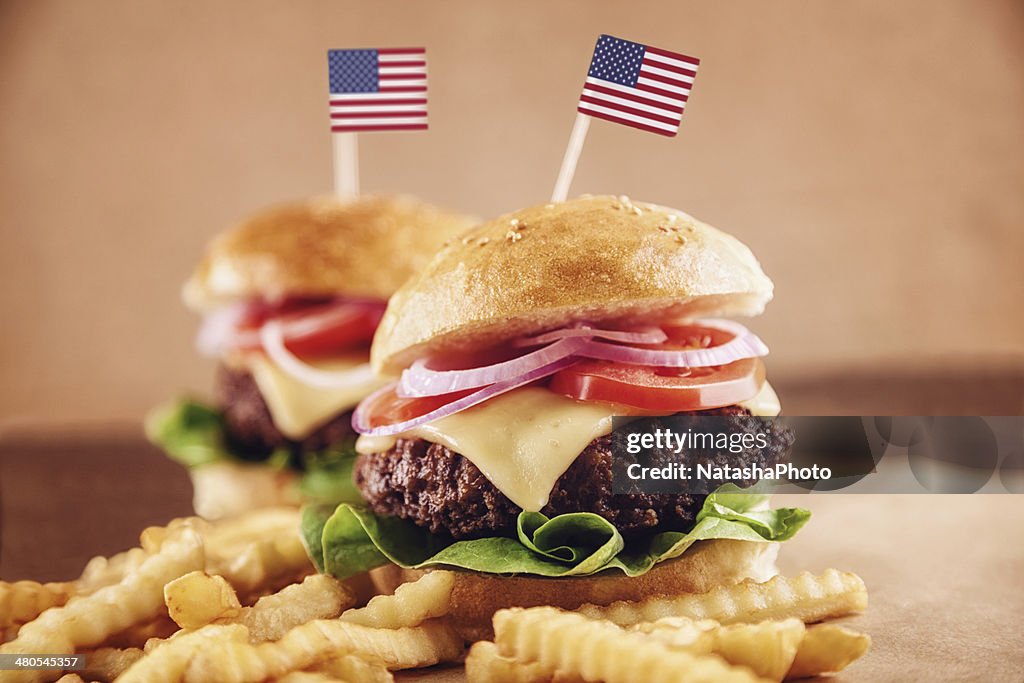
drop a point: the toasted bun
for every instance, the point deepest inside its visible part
(363, 248)
(476, 597)
(597, 259)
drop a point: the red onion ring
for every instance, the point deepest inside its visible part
(310, 321)
(272, 339)
(361, 421)
(744, 344)
(419, 380)
(217, 330)
(647, 335)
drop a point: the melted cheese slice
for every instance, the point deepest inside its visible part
(296, 408)
(522, 441)
(764, 404)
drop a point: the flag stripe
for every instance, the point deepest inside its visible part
(396, 88)
(625, 116)
(671, 64)
(388, 51)
(667, 98)
(670, 90)
(670, 131)
(653, 91)
(672, 55)
(393, 86)
(402, 64)
(387, 101)
(659, 104)
(365, 128)
(417, 110)
(336, 115)
(644, 112)
(668, 73)
(399, 75)
(654, 75)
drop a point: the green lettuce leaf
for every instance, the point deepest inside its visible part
(352, 540)
(192, 433)
(188, 431)
(327, 475)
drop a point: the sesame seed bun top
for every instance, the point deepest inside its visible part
(366, 247)
(596, 259)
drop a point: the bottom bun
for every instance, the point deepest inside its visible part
(476, 597)
(226, 489)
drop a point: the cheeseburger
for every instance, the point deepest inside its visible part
(492, 454)
(290, 299)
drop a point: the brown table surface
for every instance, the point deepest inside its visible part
(945, 573)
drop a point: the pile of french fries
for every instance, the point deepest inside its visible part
(745, 633)
(238, 601)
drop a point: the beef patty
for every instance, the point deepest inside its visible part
(250, 429)
(443, 491)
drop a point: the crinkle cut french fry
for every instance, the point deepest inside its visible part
(106, 571)
(767, 648)
(167, 663)
(806, 597)
(695, 636)
(317, 597)
(88, 620)
(197, 598)
(139, 634)
(309, 677)
(261, 561)
(356, 668)
(486, 664)
(601, 651)
(827, 648)
(411, 604)
(23, 601)
(304, 646)
(107, 663)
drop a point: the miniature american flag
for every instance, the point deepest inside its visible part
(378, 89)
(638, 85)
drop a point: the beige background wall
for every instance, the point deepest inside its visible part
(872, 154)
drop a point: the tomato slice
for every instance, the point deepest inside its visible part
(387, 407)
(312, 329)
(668, 389)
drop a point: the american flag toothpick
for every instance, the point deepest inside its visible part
(373, 90)
(633, 84)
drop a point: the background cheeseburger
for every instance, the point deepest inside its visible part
(492, 454)
(290, 300)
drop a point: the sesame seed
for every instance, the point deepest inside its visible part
(514, 222)
(483, 240)
(513, 236)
